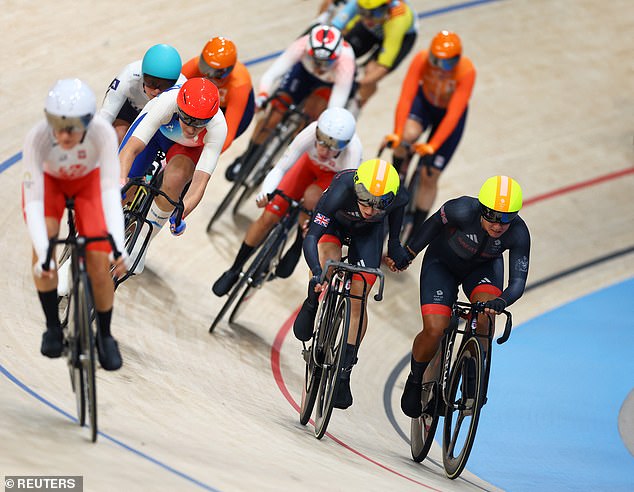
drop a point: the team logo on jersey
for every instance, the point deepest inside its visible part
(114, 84)
(521, 265)
(81, 154)
(473, 237)
(321, 220)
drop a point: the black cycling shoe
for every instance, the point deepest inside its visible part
(232, 171)
(225, 282)
(343, 397)
(288, 262)
(305, 321)
(411, 399)
(108, 352)
(52, 343)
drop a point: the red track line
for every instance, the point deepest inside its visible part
(286, 327)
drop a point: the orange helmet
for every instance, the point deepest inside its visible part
(445, 50)
(218, 58)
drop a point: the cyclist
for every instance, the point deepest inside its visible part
(466, 239)
(218, 62)
(186, 123)
(387, 28)
(316, 70)
(435, 95)
(306, 169)
(138, 83)
(73, 153)
(352, 211)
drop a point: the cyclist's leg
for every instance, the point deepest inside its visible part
(329, 247)
(438, 291)
(90, 219)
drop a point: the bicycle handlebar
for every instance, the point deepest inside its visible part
(347, 267)
(155, 190)
(80, 241)
(288, 105)
(291, 201)
(478, 307)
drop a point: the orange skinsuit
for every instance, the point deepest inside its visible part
(234, 94)
(443, 89)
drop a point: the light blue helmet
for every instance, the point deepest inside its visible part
(162, 61)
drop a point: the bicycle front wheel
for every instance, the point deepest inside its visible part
(335, 338)
(87, 347)
(423, 428)
(73, 351)
(465, 399)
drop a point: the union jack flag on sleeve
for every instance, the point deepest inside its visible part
(321, 219)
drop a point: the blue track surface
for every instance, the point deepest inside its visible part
(555, 395)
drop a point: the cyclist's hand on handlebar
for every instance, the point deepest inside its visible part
(318, 287)
(423, 149)
(391, 140)
(120, 265)
(260, 101)
(40, 272)
(177, 230)
(262, 199)
(495, 306)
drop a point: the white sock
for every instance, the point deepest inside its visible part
(157, 218)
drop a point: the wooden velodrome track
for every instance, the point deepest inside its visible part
(552, 106)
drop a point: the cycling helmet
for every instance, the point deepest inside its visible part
(500, 199)
(376, 183)
(70, 105)
(163, 62)
(335, 128)
(324, 45)
(445, 50)
(376, 9)
(218, 58)
(198, 101)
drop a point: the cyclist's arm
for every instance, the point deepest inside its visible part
(281, 65)
(116, 95)
(430, 229)
(343, 80)
(235, 104)
(519, 254)
(410, 86)
(195, 192)
(455, 109)
(331, 201)
(394, 31)
(395, 220)
(109, 177)
(300, 144)
(133, 147)
(33, 189)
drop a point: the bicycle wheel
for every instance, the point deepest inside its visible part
(335, 338)
(423, 428)
(87, 349)
(233, 294)
(261, 268)
(313, 357)
(73, 351)
(463, 409)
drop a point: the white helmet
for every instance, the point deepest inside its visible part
(324, 45)
(70, 105)
(335, 128)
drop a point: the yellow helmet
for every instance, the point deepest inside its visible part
(500, 199)
(376, 183)
(371, 4)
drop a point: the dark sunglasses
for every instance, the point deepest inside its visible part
(157, 83)
(377, 13)
(191, 121)
(494, 216)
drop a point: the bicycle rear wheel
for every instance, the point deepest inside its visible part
(334, 346)
(233, 294)
(87, 347)
(423, 428)
(465, 398)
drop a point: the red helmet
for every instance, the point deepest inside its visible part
(198, 101)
